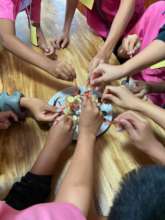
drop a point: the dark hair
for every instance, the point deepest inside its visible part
(141, 195)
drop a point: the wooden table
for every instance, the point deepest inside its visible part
(21, 144)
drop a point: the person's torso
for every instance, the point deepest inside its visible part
(101, 16)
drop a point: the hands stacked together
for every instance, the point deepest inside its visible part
(62, 128)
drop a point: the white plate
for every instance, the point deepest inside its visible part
(105, 108)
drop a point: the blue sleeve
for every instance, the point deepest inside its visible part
(11, 103)
(161, 35)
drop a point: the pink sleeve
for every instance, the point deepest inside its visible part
(7, 10)
(36, 11)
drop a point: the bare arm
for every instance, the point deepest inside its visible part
(157, 152)
(13, 44)
(154, 53)
(156, 87)
(118, 26)
(141, 135)
(152, 111)
(70, 11)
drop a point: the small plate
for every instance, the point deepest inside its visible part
(59, 100)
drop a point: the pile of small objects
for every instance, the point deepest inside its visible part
(72, 105)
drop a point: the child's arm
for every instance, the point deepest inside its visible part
(105, 73)
(21, 105)
(156, 87)
(141, 135)
(13, 44)
(37, 182)
(120, 22)
(70, 11)
(76, 189)
(125, 99)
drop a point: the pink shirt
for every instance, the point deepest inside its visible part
(47, 211)
(147, 29)
(101, 16)
(10, 8)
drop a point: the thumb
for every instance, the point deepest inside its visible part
(128, 127)
(50, 108)
(50, 117)
(97, 81)
(97, 74)
(64, 43)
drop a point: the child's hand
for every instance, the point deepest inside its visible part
(130, 46)
(45, 45)
(6, 119)
(138, 130)
(95, 62)
(61, 131)
(91, 118)
(39, 109)
(61, 70)
(121, 96)
(140, 89)
(62, 41)
(104, 74)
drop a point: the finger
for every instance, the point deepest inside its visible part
(141, 94)
(110, 98)
(59, 42)
(69, 122)
(72, 73)
(126, 44)
(127, 115)
(115, 90)
(49, 51)
(136, 120)
(4, 125)
(84, 102)
(50, 108)
(98, 82)
(137, 46)
(50, 118)
(58, 120)
(132, 45)
(93, 65)
(128, 127)
(95, 75)
(64, 43)
(12, 115)
(45, 47)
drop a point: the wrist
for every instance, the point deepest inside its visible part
(150, 146)
(125, 69)
(50, 66)
(150, 87)
(156, 151)
(138, 104)
(24, 102)
(104, 53)
(43, 62)
(66, 30)
(87, 135)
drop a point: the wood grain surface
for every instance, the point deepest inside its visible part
(20, 145)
